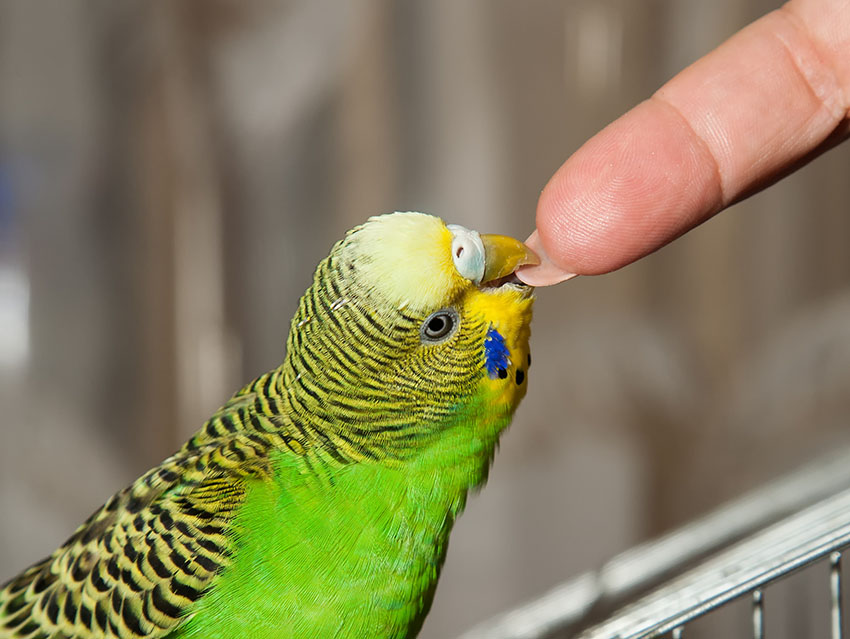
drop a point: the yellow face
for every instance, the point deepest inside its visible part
(507, 313)
(449, 295)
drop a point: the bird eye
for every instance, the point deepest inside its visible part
(439, 326)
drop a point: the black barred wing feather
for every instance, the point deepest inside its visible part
(139, 563)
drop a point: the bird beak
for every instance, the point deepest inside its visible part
(503, 255)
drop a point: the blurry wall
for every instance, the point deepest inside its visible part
(170, 174)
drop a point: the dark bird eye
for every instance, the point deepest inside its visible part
(439, 326)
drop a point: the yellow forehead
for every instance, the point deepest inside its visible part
(407, 258)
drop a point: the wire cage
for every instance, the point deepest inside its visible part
(734, 554)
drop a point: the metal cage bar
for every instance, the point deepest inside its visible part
(801, 538)
(835, 593)
(747, 567)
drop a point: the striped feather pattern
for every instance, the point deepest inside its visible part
(140, 561)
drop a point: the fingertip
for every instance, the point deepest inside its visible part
(544, 274)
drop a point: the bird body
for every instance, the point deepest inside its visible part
(395, 518)
(318, 501)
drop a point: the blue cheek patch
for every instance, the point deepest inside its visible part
(496, 355)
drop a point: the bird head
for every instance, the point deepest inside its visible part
(412, 322)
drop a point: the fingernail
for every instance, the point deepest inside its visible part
(545, 273)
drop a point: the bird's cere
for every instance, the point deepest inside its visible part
(467, 253)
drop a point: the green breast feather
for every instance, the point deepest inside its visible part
(318, 501)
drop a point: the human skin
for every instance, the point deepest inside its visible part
(765, 102)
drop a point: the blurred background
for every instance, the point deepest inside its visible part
(171, 173)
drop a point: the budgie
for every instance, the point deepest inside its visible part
(318, 501)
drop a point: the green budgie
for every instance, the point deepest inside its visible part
(318, 501)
